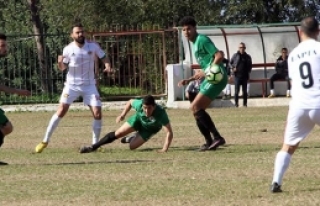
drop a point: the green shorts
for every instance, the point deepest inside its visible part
(213, 90)
(145, 133)
(3, 118)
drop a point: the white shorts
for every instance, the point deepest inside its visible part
(300, 123)
(89, 93)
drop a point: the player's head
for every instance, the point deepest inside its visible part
(284, 52)
(148, 105)
(242, 47)
(222, 53)
(3, 45)
(309, 28)
(189, 27)
(77, 33)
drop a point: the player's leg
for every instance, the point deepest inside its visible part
(298, 127)
(91, 98)
(67, 97)
(208, 92)
(5, 126)
(124, 130)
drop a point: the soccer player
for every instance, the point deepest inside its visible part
(79, 57)
(146, 122)
(5, 125)
(304, 108)
(206, 53)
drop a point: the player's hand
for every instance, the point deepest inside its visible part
(234, 70)
(161, 151)
(119, 118)
(183, 82)
(23, 92)
(107, 68)
(60, 59)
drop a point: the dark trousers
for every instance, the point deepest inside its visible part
(279, 77)
(243, 83)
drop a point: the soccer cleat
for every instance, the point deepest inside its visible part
(86, 149)
(217, 143)
(203, 148)
(271, 96)
(127, 139)
(275, 188)
(40, 147)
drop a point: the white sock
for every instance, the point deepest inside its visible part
(96, 130)
(272, 92)
(281, 164)
(288, 92)
(228, 89)
(51, 127)
(248, 88)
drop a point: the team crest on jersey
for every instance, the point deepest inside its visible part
(89, 52)
(65, 95)
(72, 54)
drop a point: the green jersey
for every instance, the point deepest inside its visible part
(204, 50)
(158, 118)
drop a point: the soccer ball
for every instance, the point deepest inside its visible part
(214, 74)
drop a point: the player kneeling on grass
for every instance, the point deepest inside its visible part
(146, 122)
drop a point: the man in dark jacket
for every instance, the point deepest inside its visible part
(241, 65)
(281, 72)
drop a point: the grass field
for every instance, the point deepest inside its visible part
(238, 174)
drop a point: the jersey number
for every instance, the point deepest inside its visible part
(306, 75)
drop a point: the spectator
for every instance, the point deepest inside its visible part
(241, 66)
(281, 72)
(193, 87)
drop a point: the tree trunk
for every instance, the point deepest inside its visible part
(37, 27)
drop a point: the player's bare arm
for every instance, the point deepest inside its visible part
(124, 112)
(169, 138)
(61, 65)
(218, 57)
(107, 64)
(21, 92)
(198, 75)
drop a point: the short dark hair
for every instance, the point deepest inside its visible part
(148, 100)
(76, 24)
(284, 48)
(309, 26)
(3, 37)
(188, 21)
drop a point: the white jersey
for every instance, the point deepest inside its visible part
(304, 72)
(81, 62)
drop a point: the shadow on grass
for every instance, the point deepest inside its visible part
(3, 163)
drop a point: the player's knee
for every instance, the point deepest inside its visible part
(289, 148)
(97, 115)
(7, 129)
(62, 110)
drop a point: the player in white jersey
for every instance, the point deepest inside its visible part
(79, 57)
(304, 108)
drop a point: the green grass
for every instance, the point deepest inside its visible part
(238, 174)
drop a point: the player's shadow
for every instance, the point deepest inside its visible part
(3, 163)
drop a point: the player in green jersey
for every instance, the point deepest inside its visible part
(146, 122)
(206, 54)
(5, 125)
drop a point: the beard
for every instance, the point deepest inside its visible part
(80, 40)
